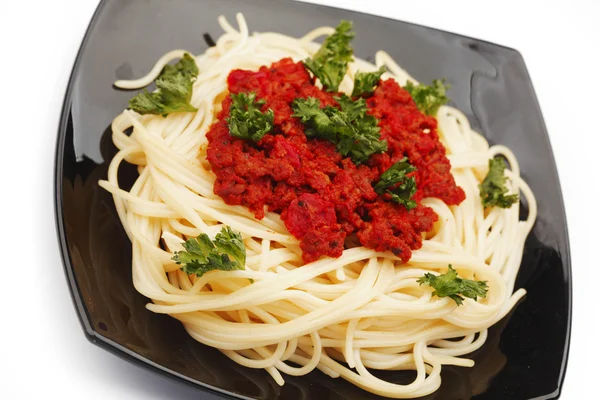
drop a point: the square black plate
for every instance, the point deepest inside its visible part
(526, 353)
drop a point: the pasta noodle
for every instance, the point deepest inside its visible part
(363, 311)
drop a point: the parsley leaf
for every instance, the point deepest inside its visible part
(185, 66)
(364, 82)
(318, 121)
(428, 98)
(493, 189)
(330, 63)
(395, 182)
(227, 252)
(354, 132)
(450, 285)
(174, 90)
(245, 120)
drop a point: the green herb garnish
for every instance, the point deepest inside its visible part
(450, 285)
(174, 90)
(428, 98)
(493, 188)
(364, 82)
(395, 182)
(226, 253)
(245, 120)
(354, 132)
(330, 63)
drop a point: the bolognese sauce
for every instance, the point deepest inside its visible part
(326, 200)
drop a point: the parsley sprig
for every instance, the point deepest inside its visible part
(355, 133)
(245, 120)
(450, 285)
(364, 82)
(330, 63)
(493, 188)
(428, 98)
(227, 252)
(395, 182)
(174, 90)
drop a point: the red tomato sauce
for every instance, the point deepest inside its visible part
(325, 200)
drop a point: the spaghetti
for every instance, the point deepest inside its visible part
(344, 316)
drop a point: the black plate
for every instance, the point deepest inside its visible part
(526, 354)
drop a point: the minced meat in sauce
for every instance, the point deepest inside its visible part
(326, 200)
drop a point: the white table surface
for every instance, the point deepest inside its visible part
(43, 351)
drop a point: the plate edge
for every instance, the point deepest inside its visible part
(78, 302)
(566, 255)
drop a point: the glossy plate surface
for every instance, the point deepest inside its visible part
(526, 353)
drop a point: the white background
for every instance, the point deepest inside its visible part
(43, 351)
